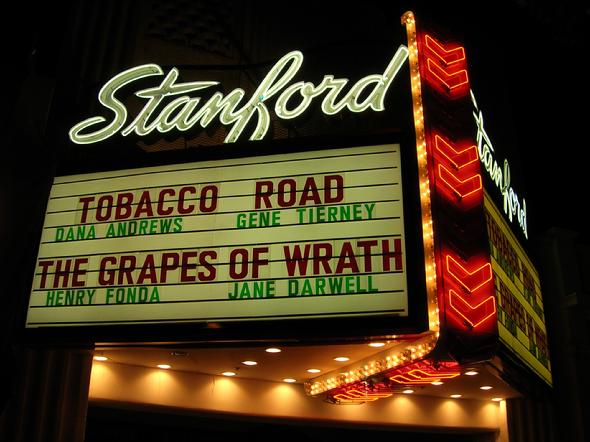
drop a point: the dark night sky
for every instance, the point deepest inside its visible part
(525, 59)
(548, 91)
(526, 64)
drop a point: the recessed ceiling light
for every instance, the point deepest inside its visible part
(497, 399)
(456, 396)
(408, 391)
(471, 373)
(377, 344)
(273, 350)
(437, 383)
(485, 387)
(341, 359)
(164, 366)
(289, 380)
(228, 373)
(313, 370)
(101, 358)
(249, 362)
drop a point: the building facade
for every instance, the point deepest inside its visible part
(234, 220)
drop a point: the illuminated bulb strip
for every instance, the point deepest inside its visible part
(427, 228)
(398, 356)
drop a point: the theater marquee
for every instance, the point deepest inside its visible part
(521, 316)
(299, 235)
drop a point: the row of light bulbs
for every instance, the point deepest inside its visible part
(251, 363)
(102, 358)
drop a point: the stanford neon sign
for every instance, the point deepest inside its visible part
(499, 175)
(182, 112)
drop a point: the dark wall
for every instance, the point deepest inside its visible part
(119, 424)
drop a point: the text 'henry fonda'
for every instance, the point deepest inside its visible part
(183, 112)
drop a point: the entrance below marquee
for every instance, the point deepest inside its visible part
(129, 423)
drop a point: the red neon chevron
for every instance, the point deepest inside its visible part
(421, 377)
(458, 158)
(474, 315)
(462, 187)
(447, 56)
(355, 395)
(471, 280)
(451, 80)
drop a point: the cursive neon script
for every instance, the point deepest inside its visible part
(500, 176)
(168, 107)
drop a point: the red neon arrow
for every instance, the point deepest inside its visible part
(421, 377)
(474, 315)
(357, 395)
(471, 280)
(458, 158)
(447, 56)
(451, 80)
(461, 187)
